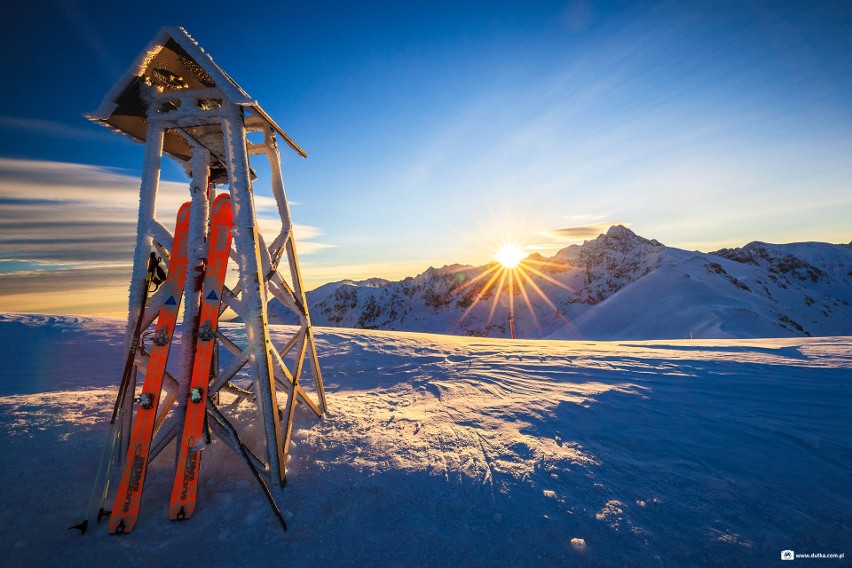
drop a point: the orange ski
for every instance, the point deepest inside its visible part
(125, 510)
(184, 490)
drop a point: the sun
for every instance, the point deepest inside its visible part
(511, 274)
(509, 256)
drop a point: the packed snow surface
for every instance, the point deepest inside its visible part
(452, 451)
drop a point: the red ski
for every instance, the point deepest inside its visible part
(125, 510)
(184, 490)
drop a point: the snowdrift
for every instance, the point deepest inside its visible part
(459, 451)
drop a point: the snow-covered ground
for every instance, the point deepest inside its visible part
(452, 451)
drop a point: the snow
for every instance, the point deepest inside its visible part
(699, 295)
(180, 36)
(617, 286)
(446, 450)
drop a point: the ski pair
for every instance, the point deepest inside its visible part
(185, 487)
(128, 497)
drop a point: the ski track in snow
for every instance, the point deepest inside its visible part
(443, 450)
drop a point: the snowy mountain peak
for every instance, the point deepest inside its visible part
(535, 259)
(611, 261)
(806, 262)
(618, 285)
(755, 252)
(624, 237)
(432, 272)
(618, 240)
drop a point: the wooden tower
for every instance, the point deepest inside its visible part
(177, 101)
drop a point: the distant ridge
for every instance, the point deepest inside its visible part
(617, 286)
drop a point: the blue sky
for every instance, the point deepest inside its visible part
(438, 131)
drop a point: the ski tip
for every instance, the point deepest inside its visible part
(184, 210)
(221, 199)
(81, 527)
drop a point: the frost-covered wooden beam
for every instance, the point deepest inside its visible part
(225, 431)
(291, 383)
(177, 101)
(240, 361)
(253, 289)
(281, 291)
(230, 300)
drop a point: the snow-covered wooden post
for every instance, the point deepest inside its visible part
(144, 237)
(178, 102)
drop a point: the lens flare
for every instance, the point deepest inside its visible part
(511, 274)
(509, 256)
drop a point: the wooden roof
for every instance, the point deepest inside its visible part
(174, 62)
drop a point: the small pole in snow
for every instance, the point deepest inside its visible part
(512, 301)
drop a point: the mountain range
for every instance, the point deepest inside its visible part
(614, 287)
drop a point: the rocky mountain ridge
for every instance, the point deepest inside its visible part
(618, 285)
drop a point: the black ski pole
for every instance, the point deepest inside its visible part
(235, 438)
(153, 266)
(155, 274)
(107, 456)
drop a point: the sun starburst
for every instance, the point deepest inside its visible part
(509, 256)
(512, 272)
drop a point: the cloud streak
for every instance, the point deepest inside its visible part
(55, 129)
(580, 232)
(69, 230)
(71, 214)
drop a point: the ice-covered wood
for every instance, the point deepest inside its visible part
(173, 74)
(187, 107)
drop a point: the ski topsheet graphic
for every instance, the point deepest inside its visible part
(184, 490)
(125, 509)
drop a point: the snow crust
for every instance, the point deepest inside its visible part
(442, 450)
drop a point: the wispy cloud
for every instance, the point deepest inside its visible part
(68, 230)
(57, 129)
(585, 218)
(580, 232)
(71, 214)
(94, 291)
(270, 225)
